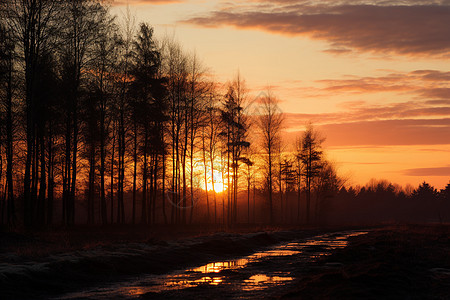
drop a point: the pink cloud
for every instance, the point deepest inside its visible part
(423, 120)
(428, 85)
(384, 133)
(400, 29)
(389, 132)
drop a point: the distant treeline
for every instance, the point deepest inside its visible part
(102, 123)
(381, 201)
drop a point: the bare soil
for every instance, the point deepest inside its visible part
(399, 262)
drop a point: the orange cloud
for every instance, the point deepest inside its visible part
(419, 29)
(389, 132)
(407, 110)
(428, 89)
(422, 121)
(384, 133)
(430, 84)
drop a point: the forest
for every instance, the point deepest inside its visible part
(103, 123)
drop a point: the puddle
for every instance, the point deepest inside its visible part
(241, 277)
(262, 281)
(216, 267)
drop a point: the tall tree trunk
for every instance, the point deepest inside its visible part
(91, 192)
(35, 177)
(206, 178)
(254, 202)
(74, 160)
(121, 165)
(228, 180)
(192, 182)
(183, 166)
(67, 166)
(155, 188)
(50, 175)
(213, 188)
(102, 167)
(248, 194)
(223, 193)
(299, 195)
(10, 205)
(113, 148)
(28, 200)
(281, 191)
(235, 185)
(144, 181)
(163, 187)
(42, 182)
(270, 186)
(150, 189)
(135, 160)
(308, 184)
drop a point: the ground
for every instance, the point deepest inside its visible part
(393, 262)
(396, 262)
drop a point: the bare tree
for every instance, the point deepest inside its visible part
(212, 126)
(149, 112)
(84, 20)
(105, 52)
(197, 97)
(7, 73)
(32, 26)
(235, 122)
(175, 66)
(128, 32)
(270, 120)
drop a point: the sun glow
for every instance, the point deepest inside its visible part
(219, 185)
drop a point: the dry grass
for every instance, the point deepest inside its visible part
(37, 244)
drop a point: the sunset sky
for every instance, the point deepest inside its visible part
(373, 76)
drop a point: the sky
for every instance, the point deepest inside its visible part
(372, 76)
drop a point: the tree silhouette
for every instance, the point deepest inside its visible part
(269, 123)
(236, 124)
(212, 131)
(445, 193)
(84, 21)
(92, 107)
(149, 110)
(309, 151)
(425, 192)
(7, 76)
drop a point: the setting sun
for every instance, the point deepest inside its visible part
(218, 186)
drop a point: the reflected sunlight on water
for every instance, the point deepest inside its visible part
(316, 248)
(135, 291)
(216, 267)
(180, 282)
(250, 274)
(262, 281)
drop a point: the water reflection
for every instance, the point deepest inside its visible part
(262, 281)
(309, 250)
(250, 274)
(216, 267)
(181, 282)
(135, 291)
